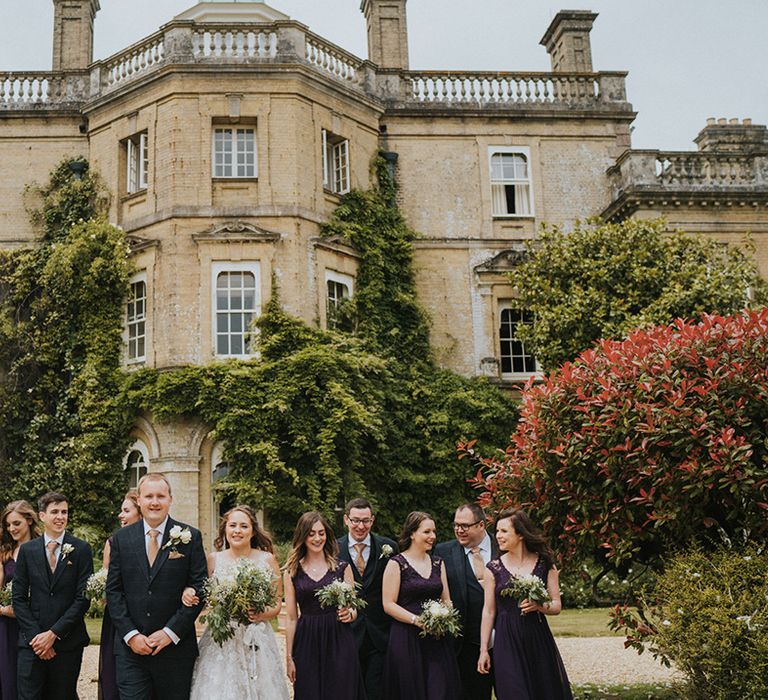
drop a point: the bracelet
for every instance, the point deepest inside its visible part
(413, 619)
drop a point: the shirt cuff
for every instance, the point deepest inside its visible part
(171, 634)
(128, 637)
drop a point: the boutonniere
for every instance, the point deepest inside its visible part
(177, 536)
(175, 555)
(66, 550)
(386, 551)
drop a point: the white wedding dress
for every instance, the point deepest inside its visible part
(247, 667)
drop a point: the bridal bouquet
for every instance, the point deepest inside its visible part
(231, 596)
(340, 594)
(439, 619)
(6, 594)
(529, 587)
(96, 587)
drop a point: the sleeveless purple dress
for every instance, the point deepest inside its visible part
(419, 668)
(526, 661)
(107, 663)
(9, 643)
(324, 650)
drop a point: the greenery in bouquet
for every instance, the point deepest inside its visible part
(527, 587)
(96, 587)
(439, 619)
(6, 594)
(340, 594)
(231, 596)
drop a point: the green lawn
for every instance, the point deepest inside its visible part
(638, 691)
(585, 622)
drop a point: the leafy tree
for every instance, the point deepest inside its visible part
(604, 280)
(646, 443)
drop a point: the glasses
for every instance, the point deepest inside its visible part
(463, 527)
(361, 521)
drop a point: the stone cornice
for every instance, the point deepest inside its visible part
(336, 244)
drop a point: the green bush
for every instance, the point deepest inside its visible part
(578, 590)
(709, 616)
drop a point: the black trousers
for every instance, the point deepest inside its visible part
(48, 680)
(474, 685)
(147, 677)
(372, 667)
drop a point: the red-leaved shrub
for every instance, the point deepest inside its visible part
(655, 440)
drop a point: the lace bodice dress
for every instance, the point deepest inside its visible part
(248, 666)
(526, 660)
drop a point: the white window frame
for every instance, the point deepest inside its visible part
(526, 182)
(253, 267)
(337, 278)
(511, 306)
(137, 446)
(136, 162)
(136, 321)
(238, 168)
(336, 172)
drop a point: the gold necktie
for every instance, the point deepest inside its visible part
(154, 546)
(52, 547)
(359, 560)
(477, 563)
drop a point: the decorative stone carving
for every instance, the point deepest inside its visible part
(137, 243)
(505, 261)
(236, 231)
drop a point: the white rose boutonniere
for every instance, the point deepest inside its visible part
(386, 551)
(178, 536)
(66, 550)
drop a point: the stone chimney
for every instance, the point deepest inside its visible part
(387, 32)
(567, 41)
(73, 33)
(732, 136)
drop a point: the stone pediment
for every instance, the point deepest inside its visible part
(137, 243)
(232, 11)
(505, 261)
(236, 231)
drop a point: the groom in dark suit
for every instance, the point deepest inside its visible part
(49, 602)
(465, 559)
(368, 554)
(151, 563)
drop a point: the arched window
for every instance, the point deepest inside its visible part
(136, 463)
(510, 182)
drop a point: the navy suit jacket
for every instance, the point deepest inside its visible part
(44, 600)
(149, 599)
(371, 618)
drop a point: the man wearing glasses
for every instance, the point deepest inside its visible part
(368, 554)
(465, 559)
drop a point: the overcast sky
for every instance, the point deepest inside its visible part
(687, 59)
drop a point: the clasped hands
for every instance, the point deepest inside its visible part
(151, 645)
(42, 645)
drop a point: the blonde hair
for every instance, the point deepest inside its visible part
(153, 476)
(7, 543)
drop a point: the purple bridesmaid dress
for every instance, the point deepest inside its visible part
(107, 663)
(419, 668)
(324, 650)
(9, 643)
(526, 660)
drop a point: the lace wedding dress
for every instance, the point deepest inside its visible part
(248, 666)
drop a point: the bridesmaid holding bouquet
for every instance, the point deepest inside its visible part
(17, 526)
(526, 660)
(321, 654)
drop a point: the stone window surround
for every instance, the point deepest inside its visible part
(140, 278)
(217, 267)
(336, 170)
(138, 465)
(525, 152)
(136, 162)
(509, 304)
(338, 278)
(251, 170)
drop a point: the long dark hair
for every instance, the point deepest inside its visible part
(259, 540)
(535, 540)
(306, 522)
(412, 523)
(7, 543)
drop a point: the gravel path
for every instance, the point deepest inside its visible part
(587, 660)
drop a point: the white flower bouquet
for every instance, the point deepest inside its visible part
(340, 594)
(439, 619)
(245, 589)
(6, 594)
(527, 587)
(96, 587)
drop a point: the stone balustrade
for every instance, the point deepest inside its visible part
(134, 61)
(333, 60)
(233, 42)
(687, 170)
(20, 91)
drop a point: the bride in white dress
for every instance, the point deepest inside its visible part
(249, 665)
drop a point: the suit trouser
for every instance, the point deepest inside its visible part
(48, 680)
(474, 685)
(372, 667)
(144, 677)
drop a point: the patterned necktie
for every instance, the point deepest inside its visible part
(154, 546)
(359, 560)
(477, 563)
(52, 547)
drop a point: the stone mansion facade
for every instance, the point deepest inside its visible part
(228, 137)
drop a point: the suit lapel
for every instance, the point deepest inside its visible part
(42, 557)
(139, 547)
(62, 561)
(162, 555)
(459, 557)
(373, 560)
